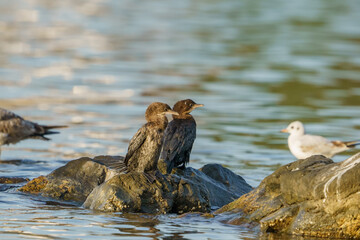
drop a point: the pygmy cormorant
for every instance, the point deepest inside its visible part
(14, 129)
(145, 146)
(180, 135)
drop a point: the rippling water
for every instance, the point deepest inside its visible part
(95, 65)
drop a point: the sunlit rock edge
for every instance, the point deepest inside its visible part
(312, 197)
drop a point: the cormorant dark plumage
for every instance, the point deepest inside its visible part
(180, 135)
(14, 129)
(145, 146)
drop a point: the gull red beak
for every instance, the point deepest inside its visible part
(284, 130)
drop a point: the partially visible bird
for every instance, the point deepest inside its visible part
(145, 146)
(180, 135)
(303, 145)
(14, 129)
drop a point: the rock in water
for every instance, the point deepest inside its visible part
(99, 185)
(312, 197)
(228, 184)
(72, 182)
(188, 190)
(131, 192)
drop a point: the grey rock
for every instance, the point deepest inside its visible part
(101, 184)
(188, 190)
(223, 182)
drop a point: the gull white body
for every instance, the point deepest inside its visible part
(303, 145)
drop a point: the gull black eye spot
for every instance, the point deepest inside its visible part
(292, 127)
(297, 128)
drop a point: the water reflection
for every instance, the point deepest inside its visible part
(95, 66)
(35, 218)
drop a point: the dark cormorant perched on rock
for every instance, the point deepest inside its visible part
(180, 135)
(145, 146)
(14, 129)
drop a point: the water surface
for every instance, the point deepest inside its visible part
(96, 65)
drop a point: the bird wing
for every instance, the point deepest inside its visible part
(15, 127)
(315, 144)
(7, 115)
(136, 142)
(112, 162)
(178, 137)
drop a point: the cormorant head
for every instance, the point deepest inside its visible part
(157, 110)
(186, 106)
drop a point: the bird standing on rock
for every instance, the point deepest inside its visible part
(145, 146)
(14, 129)
(180, 135)
(303, 145)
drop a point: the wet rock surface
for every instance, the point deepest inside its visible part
(312, 197)
(72, 182)
(98, 184)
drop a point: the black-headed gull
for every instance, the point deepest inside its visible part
(303, 145)
(14, 128)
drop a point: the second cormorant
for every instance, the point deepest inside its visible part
(180, 135)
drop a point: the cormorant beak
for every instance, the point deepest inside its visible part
(194, 107)
(197, 105)
(171, 112)
(284, 130)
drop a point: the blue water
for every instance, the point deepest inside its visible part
(96, 65)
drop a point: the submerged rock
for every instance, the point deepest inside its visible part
(311, 197)
(99, 185)
(7, 183)
(12, 180)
